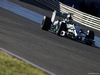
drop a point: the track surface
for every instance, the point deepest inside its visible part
(59, 55)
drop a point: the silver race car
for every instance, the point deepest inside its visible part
(66, 28)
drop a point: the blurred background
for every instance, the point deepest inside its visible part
(88, 6)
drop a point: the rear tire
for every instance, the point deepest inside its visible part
(46, 23)
(89, 39)
(90, 35)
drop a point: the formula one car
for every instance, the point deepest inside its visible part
(66, 28)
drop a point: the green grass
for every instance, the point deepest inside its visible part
(12, 66)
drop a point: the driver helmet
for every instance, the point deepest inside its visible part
(88, 32)
(69, 17)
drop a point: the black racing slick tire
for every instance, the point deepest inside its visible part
(90, 34)
(61, 27)
(89, 39)
(46, 23)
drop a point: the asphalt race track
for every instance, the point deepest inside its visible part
(59, 55)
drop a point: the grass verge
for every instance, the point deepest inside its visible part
(12, 66)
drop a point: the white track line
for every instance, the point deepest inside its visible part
(2, 49)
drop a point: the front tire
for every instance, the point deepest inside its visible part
(46, 23)
(61, 27)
